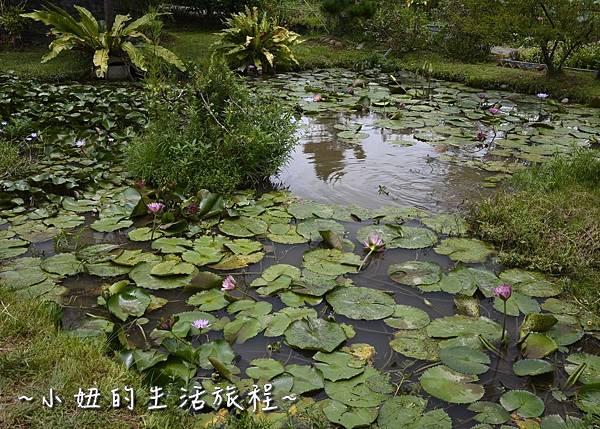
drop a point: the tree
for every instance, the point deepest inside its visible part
(559, 27)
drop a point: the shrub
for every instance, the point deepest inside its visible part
(467, 31)
(401, 28)
(588, 57)
(300, 16)
(12, 23)
(346, 16)
(219, 136)
(253, 39)
(89, 34)
(14, 156)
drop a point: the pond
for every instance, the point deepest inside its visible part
(413, 339)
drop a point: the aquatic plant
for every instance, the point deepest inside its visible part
(155, 208)
(504, 291)
(228, 284)
(373, 243)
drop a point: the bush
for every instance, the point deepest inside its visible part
(588, 57)
(346, 16)
(300, 16)
(252, 39)
(12, 23)
(219, 137)
(401, 28)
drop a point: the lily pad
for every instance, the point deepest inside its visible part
(209, 300)
(243, 227)
(361, 303)
(264, 369)
(349, 417)
(465, 250)
(451, 386)
(407, 317)
(448, 224)
(315, 334)
(415, 273)
(142, 277)
(464, 326)
(331, 262)
(338, 365)
(110, 224)
(523, 403)
(527, 367)
(369, 389)
(63, 264)
(591, 371)
(538, 345)
(415, 344)
(465, 360)
(129, 302)
(489, 412)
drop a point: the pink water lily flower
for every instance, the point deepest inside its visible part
(228, 284)
(374, 243)
(494, 110)
(155, 208)
(543, 95)
(504, 291)
(200, 324)
(80, 143)
(317, 98)
(481, 136)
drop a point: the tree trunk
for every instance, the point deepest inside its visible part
(109, 13)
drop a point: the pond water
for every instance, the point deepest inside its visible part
(377, 157)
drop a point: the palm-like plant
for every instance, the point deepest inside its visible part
(125, 40)
(252, 39)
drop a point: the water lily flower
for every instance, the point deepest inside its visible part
(481, 136)
(374, 243)
(504, 291)
(228, 283)
(192, 209)
(540, 18)
(4, 123)
(200, 324)
(494, 110)
(155, 208)
(483, 95)
(140, 184)
(317, 98)
(543, 95)
(80, 143)
(34, 135)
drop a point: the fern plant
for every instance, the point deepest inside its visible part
(253, 39)
(127, 41)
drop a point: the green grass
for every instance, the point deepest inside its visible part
(550, 221)
(26, 63)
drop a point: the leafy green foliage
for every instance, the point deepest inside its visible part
(253, 39)
(345, 16)
(219, 137)
(11, 22)
(89, 34)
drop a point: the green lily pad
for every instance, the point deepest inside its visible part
(209, 300)
(465, 250)
(466, 280)
(588, 399)
(234, 262)
(129, 302)
(171, 245)
(142, 277)
(130, 258)
(530, 283)
(338, 365)
(63, 264)
(264, 369)
(348, 417)
(401, 411)
(451, 386)
(415, 273)
(285, 234)
(65, 221)
(242, 329)
(464, 326)
(306, 378)
(415, 344)
(331, 262)
(538, 345)
(465, 360)
(276, 278)
(516, 304)
(527, 367)
(369, 389)
(244, 246)
(315, 334)
(361, 303)
(523, 403)
(310, 228)
(489, 413)
(110, 224)
(307, 209)
(144, 234)
(449, 224)
(243, 227)
(407, 317)
(172, 267)
(397, 236)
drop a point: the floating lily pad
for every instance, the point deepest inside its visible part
(523, 403)
(398, 236)
(415, 344)
(306, 378)
(171, 245)
(449, 224)
(489, 412)
(465, 360)
(110, 224)
(527, 367)
(209, 300)
(451, 386)
(128, 302)
(516, 304)
(307, 209)
(142, 277)
(415, 273)
(243, 227)
(530, 283)
(338, 365)
(285, 234)
(331, 262)
(172, 267)
(538, 345)
(315, 334)
(242, 329)
(349, 417)
(63, 264)
(361, 303)
(369, 389)
(591, 372)
(144, 234)
(465, 250)
(407, 317)
(264, 369)
(276, 278)
(464, 326)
